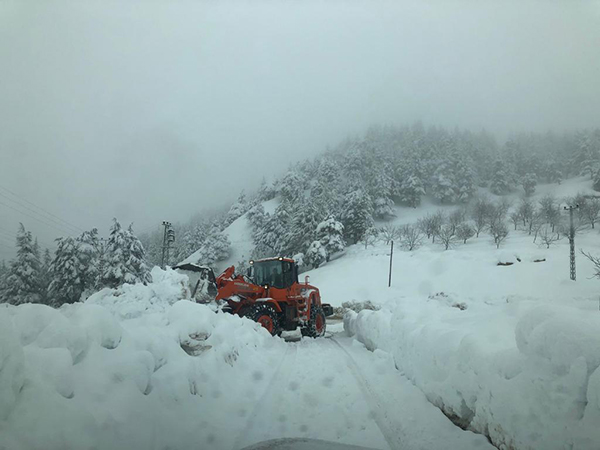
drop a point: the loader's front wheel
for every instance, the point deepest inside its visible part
(265, 315)
(317, 323)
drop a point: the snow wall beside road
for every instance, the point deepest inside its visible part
(525, 374)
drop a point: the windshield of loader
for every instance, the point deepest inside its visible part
(274, 273)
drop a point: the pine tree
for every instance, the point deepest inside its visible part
(115, 258)
(499, 184)
(140, 273)
(123, 260)
(357, 216)
(238, 209)
(67, 269)
(381, 193)
(443, 183)
(291, 186)
(46, 275)
(23, 281)
(303, 228)
(3, 276)
(330, 234)
(315, 254)
(411, 190)
(465, 181)
(215, 248)
(266, 191)
(89, 254)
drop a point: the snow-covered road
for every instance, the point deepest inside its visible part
(334, 389)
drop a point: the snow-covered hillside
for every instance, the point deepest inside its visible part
(240, 236)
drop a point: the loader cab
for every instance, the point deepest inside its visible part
(280, 273)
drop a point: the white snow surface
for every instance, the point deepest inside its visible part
(138, 368)
(240, 236)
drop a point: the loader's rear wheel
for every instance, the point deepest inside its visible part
(316, 325)
(265, 315)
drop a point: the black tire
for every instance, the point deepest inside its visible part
(266, 315)
(313, 328)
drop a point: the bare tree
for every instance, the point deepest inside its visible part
(526, 210)
(412, 237)
(550, 210)
(595, 261)
(515, 218)
(479, 214)
(465, 231)
(389, 233)
(499, 232)
(370, 237)
(431, 224)
(447, 236)
(548, 237)
(456, 217)
(590, 210)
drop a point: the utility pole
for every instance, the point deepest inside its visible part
(168, 239)
(391, 256)
(570, 208)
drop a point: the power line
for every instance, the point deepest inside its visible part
(38, 214)
(35, 218)
(42, 209)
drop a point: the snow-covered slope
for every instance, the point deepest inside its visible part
(239, 234)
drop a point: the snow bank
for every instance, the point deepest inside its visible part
(525, 374)
(135, 367)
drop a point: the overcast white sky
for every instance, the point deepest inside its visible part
(154, 110)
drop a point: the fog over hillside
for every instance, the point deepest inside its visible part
(156, 111)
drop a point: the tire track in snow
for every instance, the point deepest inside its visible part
(280, 375)
(390, 430)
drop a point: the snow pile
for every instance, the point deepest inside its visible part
(135, 367)
(525, 374)
(133, 300)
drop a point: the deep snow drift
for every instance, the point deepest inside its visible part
(118, 372)
(138, 368)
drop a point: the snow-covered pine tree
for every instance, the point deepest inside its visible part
(411, 190)
(500, 183)
(464, 180)
(115, 259)
(443, 182)
(89, 255)
(303, 228)
(23, 280)
(257, 219)
(3, 276)
(316, 254)
(291, 186)
(357, 216)
(238, 209)
(215, 248)
(381, 193)
(330, 234)
(46, 275)
(266, 191)
(123, 260)
(67, 270)
(137, 260)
